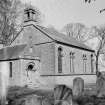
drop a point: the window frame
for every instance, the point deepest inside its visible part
(60, 61)
(72, 70)
(92, 65)
(10, 69)
(84, 57)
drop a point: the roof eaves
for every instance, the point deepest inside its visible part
(12, 59)
(11, 53)
(80, 47)
(74, 46)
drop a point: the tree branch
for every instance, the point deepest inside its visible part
(102, 10)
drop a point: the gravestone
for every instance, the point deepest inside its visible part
(62, 95)
(100, 84)
(78, 86)
(46, 101)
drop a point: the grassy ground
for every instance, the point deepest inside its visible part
(17, 95)
(87, 98)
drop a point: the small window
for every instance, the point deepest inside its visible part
(31, 66)
(28, 15)
(92, 67)
(60, 60)
(10, 67)
(72, 61)
(84, 63)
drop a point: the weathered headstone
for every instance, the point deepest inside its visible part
(62, 95)
(33, 100)
(100, 85)
(46, 101)
(78, 86)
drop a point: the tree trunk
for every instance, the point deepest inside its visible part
(97, 64)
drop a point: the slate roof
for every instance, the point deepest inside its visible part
(60, 37)
(11, 52)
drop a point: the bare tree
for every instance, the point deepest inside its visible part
(8, 25)
(98, 32)
(74, 30)
(12, 18)
(89, 1)
(100, 49)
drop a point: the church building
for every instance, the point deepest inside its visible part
(40, 57)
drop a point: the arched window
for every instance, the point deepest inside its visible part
(10, 67)
(60, 60)
(92, 67)
(71, 61)
(84, 62)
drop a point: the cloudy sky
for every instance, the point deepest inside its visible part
(60, 12)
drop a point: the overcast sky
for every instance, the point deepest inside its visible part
(60, 12)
